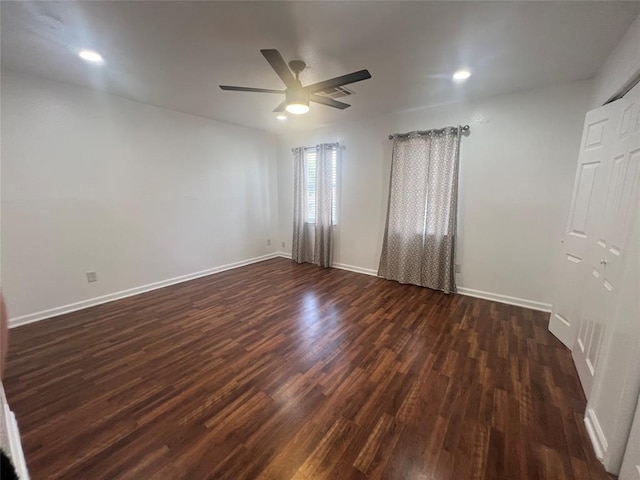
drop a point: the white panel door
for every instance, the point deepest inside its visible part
(597, 141)
(616, 193)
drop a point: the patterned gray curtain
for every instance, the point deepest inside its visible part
(315, 173)
(301, 248)
(324, 204)
(420, 235)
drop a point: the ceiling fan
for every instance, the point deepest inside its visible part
(297, 97)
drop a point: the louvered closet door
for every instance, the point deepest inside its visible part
(617, 197)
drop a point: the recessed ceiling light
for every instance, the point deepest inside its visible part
(281, 117)
(91, 56)
(461, 75)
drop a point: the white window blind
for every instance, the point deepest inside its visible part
(310, 163)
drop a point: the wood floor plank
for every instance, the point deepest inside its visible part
(279, 371)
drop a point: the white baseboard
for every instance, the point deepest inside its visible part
(596, 435)
(341, 266)
(497, 297)
(352, 268)
(54, 312)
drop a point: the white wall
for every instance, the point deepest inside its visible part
(95, 182)
(139, 194)
(622, 64)
(516, 176)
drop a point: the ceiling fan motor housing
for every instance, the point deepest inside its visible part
(297, 96)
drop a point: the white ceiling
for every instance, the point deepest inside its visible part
(174, 54)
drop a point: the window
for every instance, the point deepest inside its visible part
(310, 164)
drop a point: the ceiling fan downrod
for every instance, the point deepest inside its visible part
(296, 67)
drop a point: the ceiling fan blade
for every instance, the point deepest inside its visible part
(280, 108)
(249, 89)
(280, 66)
(339, 81)
(329, 102)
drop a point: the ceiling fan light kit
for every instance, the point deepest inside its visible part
(297, 97)
(297, 101)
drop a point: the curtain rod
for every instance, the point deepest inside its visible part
(335, 144)
(466, 128)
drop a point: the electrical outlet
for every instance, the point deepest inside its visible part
(458, 268)
(268, 242)
(283, 245)
(92, 277)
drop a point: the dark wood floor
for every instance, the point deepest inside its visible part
(280, 371)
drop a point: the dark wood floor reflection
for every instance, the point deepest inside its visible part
(281, 371)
